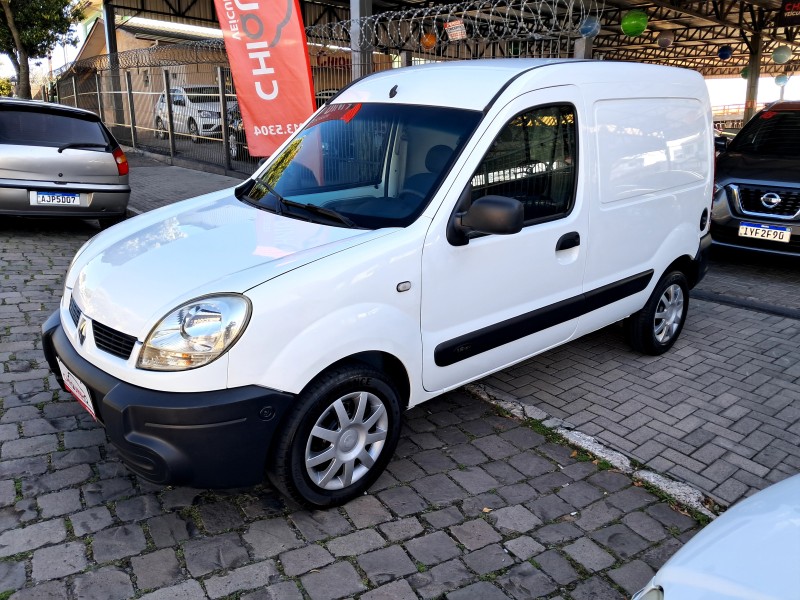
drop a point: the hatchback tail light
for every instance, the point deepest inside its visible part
(122, 161)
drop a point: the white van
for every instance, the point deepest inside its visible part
(425, 228)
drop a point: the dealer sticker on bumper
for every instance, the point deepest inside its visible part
(77, 388)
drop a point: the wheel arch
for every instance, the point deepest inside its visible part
(686, 265)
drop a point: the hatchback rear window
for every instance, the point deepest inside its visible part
(36, 128)
(770, 133)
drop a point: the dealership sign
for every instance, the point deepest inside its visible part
(266, 45)
(789, 14)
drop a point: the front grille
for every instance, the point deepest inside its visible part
(750, 201)
(113, 341)
(74, 311)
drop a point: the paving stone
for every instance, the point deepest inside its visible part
(549, 507)
(71, 458)
(595, 588)
(271, 537)
(518, 493)
(12, 575)
(302, 560)
(32, 537)
(220, 516)
(475, 506)
(646, 526)
(107, 583)
(337, 581)
(8, 492)
(597, 515)
(386, 564)
(402, 529)
(138, 508)
(589, 555)
(549, 482)
(632, 576)
(286, 590)
(466, 454)
(34, 465)
(658, 555)
(224, 551)
(179, 497)
(36, 427)
(244, 578)
(620, 540)
(474, 479)
(91, 520)
(156, 569)
(434, 461)
(524, 547)
(525, 581)
(356, 543)
(630, 499)
(54, 562)
(59, 503)
(523, 438)
(52, 590)
(396, 590)
(320, 524)
(57, 480)
(475, 534)
(441, 579)
(513, 519)
(403, 501)
(580, 494)
(488, 559)
(405, 470)
(188, 590)
(670, 518)
(168, 530)
(118, 542)
(439, 519)
(439, 490)
(433, 549)
(557, 567)
(367, 511)
(32, 446)
(579, 470)
(482, 590)
(557, 533)
(84, 439)
(503, 472)
(107, 490)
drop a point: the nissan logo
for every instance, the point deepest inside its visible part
(770, 200)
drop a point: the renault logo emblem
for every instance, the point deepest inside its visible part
(770, 200)
(82, 324)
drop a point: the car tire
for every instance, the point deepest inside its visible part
(161, 131)
(654, 329)
(194, 132)
(338, 438)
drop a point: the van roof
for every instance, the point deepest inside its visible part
(474, 84)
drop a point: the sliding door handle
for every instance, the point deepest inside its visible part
(568, 240)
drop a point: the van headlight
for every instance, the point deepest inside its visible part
(195, 334)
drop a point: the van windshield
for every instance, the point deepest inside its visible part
(770, 133)
(376, 165)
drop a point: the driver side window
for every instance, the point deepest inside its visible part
(533, 159)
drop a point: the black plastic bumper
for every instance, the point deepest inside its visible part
(701, 260)
(203, 439)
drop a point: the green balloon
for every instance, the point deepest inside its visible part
(634, 23)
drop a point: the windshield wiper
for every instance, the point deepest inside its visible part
(328, 212)
(81, 145)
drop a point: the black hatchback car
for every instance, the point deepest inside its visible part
(757, 192)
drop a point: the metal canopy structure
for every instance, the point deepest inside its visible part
(700, 27)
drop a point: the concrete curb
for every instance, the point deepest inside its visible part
(770, 309)
(682, 492)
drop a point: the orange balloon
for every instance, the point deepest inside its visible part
(427, 40)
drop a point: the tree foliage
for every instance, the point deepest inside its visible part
(5, 87)
(32, 29)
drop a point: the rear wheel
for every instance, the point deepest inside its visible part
(161, 130)
(339, 437)
(654, 329)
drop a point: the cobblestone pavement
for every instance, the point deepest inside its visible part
(474, 505)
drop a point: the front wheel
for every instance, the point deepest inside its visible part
(194, 133)
(339, 437)
(654, 329)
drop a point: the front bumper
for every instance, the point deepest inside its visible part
(214, 439)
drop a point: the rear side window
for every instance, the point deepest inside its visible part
(770, 133)
(37, 128)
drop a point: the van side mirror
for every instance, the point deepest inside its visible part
(497, 215)
(720, 143)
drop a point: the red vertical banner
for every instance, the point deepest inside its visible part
(266, 45)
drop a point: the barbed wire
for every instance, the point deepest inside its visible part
(433, 29)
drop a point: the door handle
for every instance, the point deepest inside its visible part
(568, 240)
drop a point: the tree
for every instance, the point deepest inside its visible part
(5, 87)
(32, 29)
